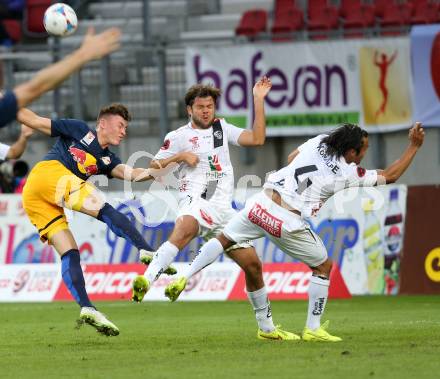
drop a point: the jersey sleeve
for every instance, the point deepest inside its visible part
(171, 146)
(4, 149)
(8, 108)
(114, 161)
(315, 141)
(233, 133)
(358, 176)
(69, 128)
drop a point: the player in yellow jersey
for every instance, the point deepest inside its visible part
(60, 181)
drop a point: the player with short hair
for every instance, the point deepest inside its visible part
(93, 47)
(206, 187)
(317, 170)
(60, 181)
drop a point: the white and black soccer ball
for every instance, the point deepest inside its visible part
(60, 20)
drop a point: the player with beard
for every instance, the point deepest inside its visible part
(206, 187)
(317, 170)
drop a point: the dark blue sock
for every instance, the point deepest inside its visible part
(122, 227)
(73, 277)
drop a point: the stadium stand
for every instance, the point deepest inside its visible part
(33, 17)
(252, 23)
(175, 23)
(287, 19)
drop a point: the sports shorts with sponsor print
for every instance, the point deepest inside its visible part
(211, 218)
(262, 217)
(50, 187)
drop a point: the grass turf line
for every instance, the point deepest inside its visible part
(384, 337)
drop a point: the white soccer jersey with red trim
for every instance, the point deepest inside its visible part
(313, 177)
(213, 177)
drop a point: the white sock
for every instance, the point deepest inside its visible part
(162, 258)
(208, 253)
(318, 293)
(263, 312)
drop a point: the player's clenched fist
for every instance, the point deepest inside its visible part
(417, 134)
(262, 87)
(190, 159)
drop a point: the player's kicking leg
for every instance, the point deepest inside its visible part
(146, 256)
(318, 294)
(186, 228)
(73, 278)
(257, 294)
(89, 201)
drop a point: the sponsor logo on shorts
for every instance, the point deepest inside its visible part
(206, 217)
(259, 216)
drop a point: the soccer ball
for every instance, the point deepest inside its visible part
(60, 20)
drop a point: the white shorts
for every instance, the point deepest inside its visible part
(211, 218)
(262, 217)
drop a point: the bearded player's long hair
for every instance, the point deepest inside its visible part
(344, 138)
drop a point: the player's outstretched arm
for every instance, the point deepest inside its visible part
(416, 136)
(257, 135)
(32, 120)
(18, 148)
(157, 168)
(93, 47)
(128, 173)
(187, 157)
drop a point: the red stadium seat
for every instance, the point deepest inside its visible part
(380, 6)
(395, 16)
(33, 17)
(13, 27)
(286, 22)
(323, 20)
(347, 6)
(357, 19)
(282, 6)
(252, 22)
(316, 5)
(425, 13)
(350, 6)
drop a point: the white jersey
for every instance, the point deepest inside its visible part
(4, 149)
(313, 177)
(213, 177)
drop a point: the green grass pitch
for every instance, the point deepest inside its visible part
(384, 337)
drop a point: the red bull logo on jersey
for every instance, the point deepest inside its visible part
(86, 162)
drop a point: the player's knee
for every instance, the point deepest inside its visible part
(323, 269)
(254, 268)
(182, 237)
